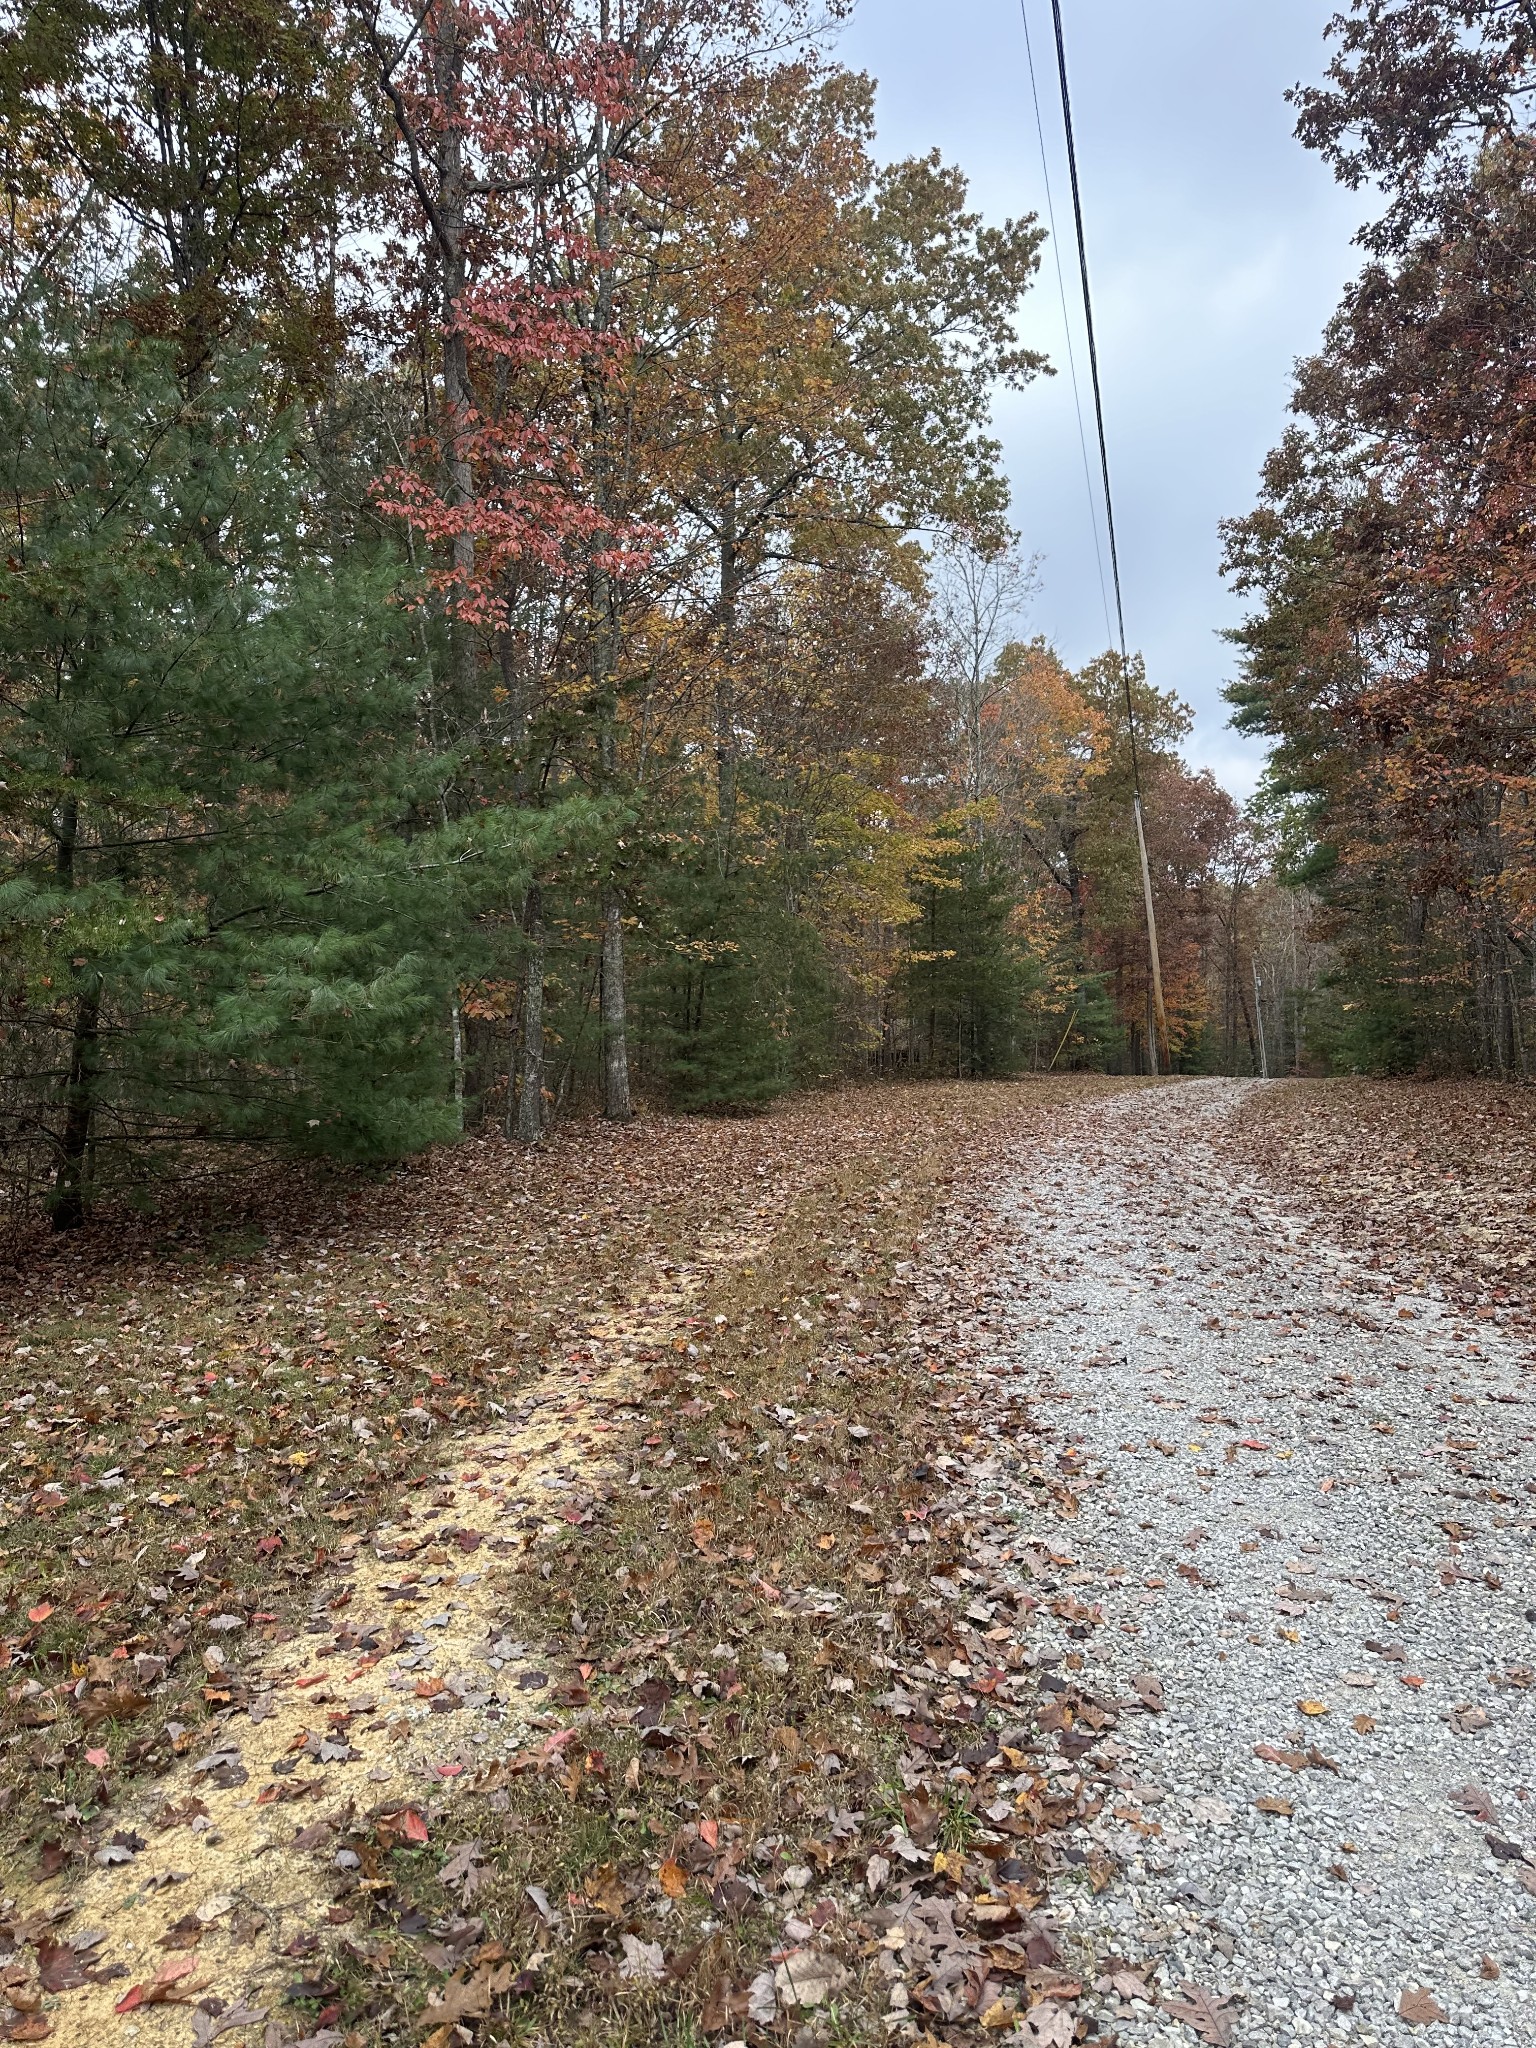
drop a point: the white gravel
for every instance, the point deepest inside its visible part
(1176, 1310)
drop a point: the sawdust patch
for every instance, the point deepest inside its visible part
(411, 1685)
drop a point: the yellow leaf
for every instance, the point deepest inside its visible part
(1313, 1707)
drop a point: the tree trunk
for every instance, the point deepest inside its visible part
(616, 1103)
(1253, 1043)
(67, 1205)
(725, 680)
(456, 1027)
(447, 35)
(530, 1103)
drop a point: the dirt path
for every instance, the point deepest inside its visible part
(1146, 1582)
(1307, 1513)
(242, 1833)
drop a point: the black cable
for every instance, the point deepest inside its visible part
(1158, 1020)
(1066, 318)
(1098, 395)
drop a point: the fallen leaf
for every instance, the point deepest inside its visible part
(168, 1986)
(207, 2026)
(643, 1961)
(1420, 2008)
(1474, 1801)
(464, 1867)
(59, 1968)
(762, 2000)
(808, 1977)
(1125, 1984)
(1270, 1804)
(674, 1879)
(1048, 2025)
(1210, 2016)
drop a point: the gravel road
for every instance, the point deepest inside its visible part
(1307, 1513)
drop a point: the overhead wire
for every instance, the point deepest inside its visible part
(1066, 318)
(1158, 1023)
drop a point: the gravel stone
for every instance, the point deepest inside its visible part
(1283, 1466)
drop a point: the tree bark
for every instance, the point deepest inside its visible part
(725, 680)
(616, 1103)
(456, 1027)
(66, 1207)
(530, 1101)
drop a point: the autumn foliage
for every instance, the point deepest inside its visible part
(480, 626)
(1389, 650)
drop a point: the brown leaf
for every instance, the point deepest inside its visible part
(1270, 1804)
(1475, 1802)
(121, 1703)
(58, 1967)
(1209, 2015)
(1148, 1690)
(1420, 2008)
(674, 1879)
(460, 1999)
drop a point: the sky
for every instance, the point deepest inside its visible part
(1217, 248)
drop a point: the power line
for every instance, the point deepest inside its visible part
(1093, 364)
(1066, 318)
(1159, 1019)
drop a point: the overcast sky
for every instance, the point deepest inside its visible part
(1217, 247)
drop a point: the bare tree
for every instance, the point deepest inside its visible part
(980, 598)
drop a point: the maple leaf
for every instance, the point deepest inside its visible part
(1420, 2008)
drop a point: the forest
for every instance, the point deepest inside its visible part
(685, 1227)
(510, 605)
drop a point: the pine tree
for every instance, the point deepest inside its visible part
(224, 897)
(967, 980)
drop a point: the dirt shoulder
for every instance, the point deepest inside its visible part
(1429, 1182)
(546, 1528)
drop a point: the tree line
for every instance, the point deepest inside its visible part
(509, 601)
(1388, 652)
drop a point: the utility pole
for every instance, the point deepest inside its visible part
(1258, 1012)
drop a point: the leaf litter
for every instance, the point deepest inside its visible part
(416, 1689)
